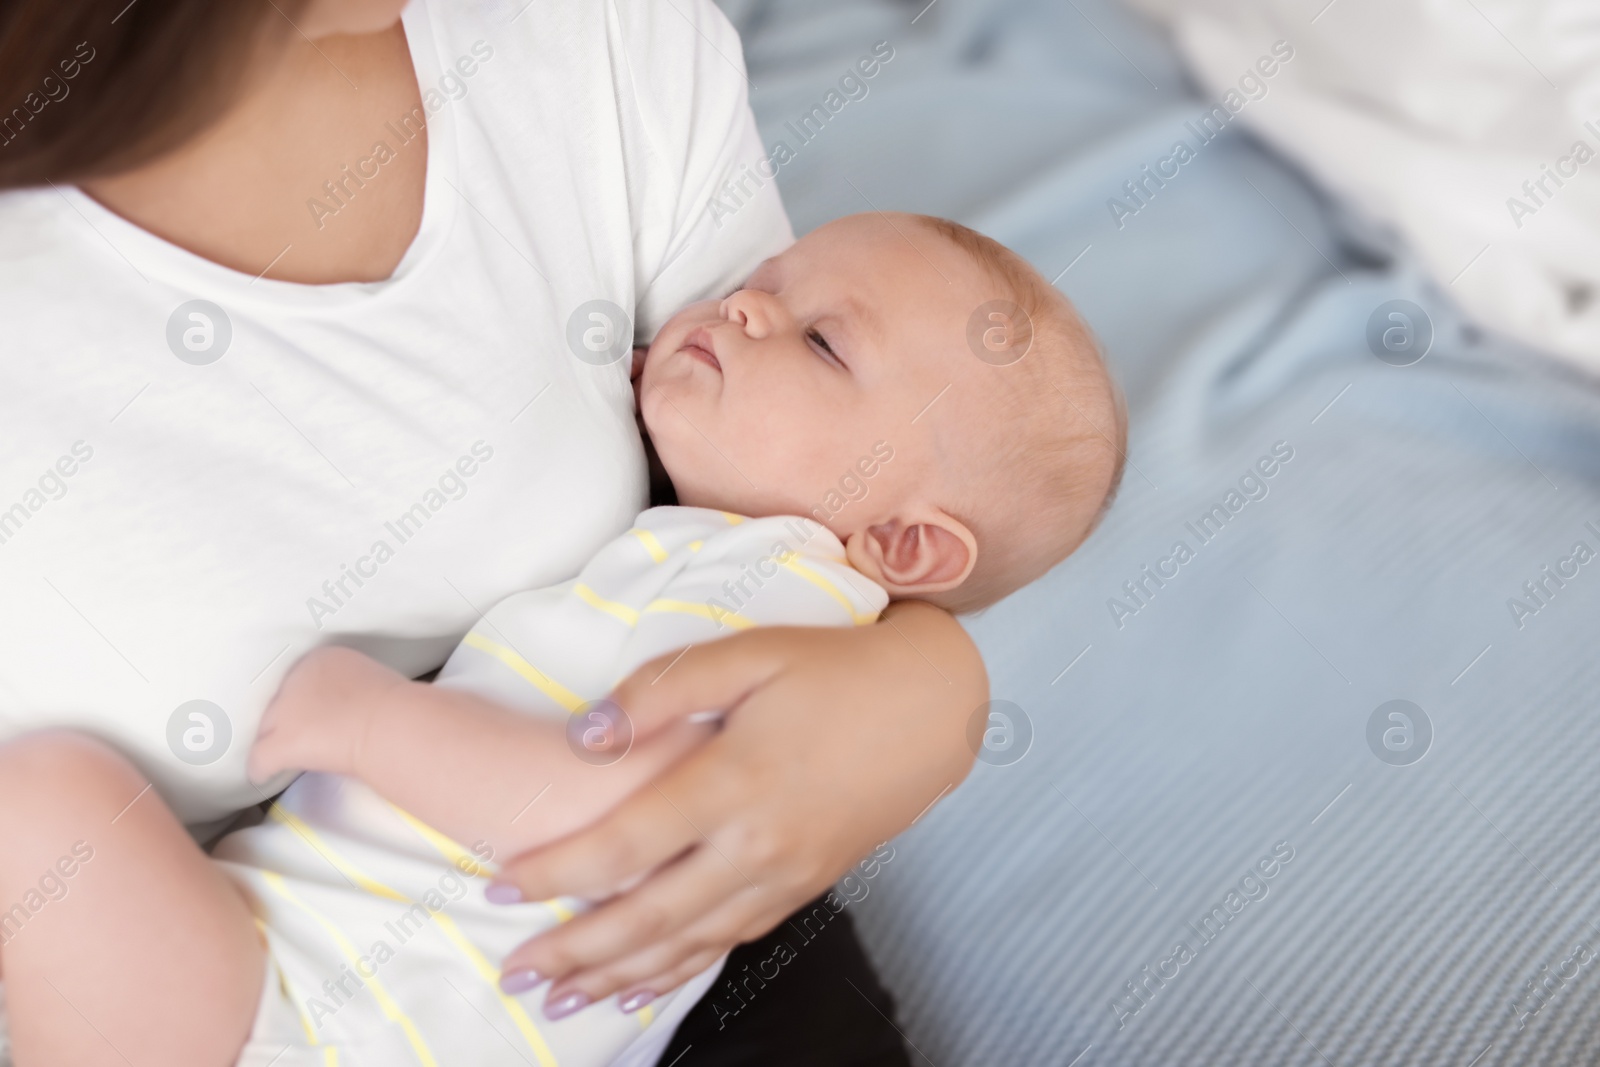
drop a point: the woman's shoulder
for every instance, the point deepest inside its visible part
(635, 113)
(38, 231)
(654, 35)
(671, 73)
(652, 96)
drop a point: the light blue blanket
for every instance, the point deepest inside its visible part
(1219, 846)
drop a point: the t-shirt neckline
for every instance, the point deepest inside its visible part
(158, 258)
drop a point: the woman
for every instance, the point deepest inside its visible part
(313, 330)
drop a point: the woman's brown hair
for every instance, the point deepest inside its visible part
(90, 88)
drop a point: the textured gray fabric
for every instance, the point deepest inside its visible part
(1229, 714)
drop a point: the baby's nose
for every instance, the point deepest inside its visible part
(748, 309)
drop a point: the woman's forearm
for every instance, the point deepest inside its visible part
(949, 652)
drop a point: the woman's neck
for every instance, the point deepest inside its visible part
(245, 193)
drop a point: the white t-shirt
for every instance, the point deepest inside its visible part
(190, 500)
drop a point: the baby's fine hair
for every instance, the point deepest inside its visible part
(1032, 480)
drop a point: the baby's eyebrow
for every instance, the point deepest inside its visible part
(860, 313)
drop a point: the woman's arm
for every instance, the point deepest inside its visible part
(834, 741)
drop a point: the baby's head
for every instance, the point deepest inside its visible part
(914, 386)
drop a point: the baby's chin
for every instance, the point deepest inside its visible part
(660, 383)
(651, 402)
(684, 455)
(663, 403)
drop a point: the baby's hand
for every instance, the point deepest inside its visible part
(320, 715)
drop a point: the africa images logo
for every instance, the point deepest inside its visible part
(199, 332)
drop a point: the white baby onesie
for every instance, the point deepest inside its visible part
(382, 949)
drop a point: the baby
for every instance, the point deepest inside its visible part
(894, 407)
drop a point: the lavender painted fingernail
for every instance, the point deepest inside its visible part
(502, 893)
(514, 982)
(564, 1006)
(634, 1001)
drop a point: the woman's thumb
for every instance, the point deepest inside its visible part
(713, 677)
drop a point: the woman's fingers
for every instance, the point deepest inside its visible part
(667, 964)
(706, 894)
(663, 968)
(712, 677)
(655, 972)
(689, 892)
(642, 832)
(636, 994)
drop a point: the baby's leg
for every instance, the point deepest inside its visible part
(123, 943)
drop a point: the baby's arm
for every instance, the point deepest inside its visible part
(471, 769)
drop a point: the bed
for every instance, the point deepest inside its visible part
(1202, 835)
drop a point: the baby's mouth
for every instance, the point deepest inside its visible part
(699, 346)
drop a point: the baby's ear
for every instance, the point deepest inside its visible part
(925, 552)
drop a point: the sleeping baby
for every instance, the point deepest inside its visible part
(895, 407)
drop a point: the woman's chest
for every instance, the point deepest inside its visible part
(465, 428)
(173, 530)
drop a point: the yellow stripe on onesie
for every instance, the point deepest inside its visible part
(818, 580)
(541, 681)
(334, 861)
(610, 607)
(352, 955)
(484, 969)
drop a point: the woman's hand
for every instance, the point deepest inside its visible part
(835, 740)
